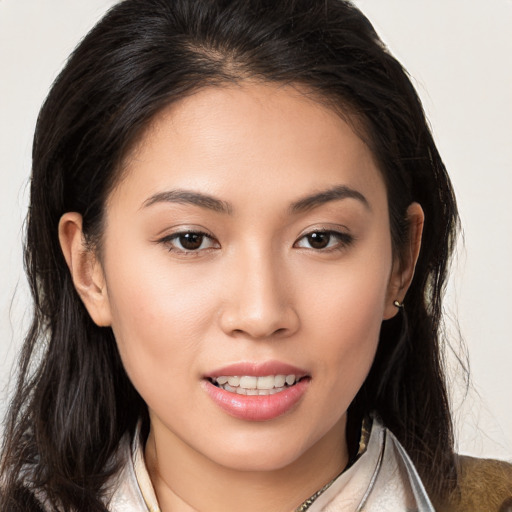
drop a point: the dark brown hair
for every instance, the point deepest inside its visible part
(73, 401)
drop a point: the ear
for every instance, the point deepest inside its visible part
(85, 268)
(404, 264)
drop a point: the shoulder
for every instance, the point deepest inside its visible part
(485, 485)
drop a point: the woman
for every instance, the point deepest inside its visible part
(238, 238)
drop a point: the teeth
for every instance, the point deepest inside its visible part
(267, 382)
(233, 381)
(280, 381)
(248, 382)
(251, 385)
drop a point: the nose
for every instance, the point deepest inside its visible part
(259, 299)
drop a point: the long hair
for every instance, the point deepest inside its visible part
(74, 402)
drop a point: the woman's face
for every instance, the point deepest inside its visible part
(249, 237)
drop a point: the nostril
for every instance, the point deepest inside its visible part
(258, 321)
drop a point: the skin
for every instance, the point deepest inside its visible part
(255, 289)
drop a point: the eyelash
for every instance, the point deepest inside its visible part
(343, 240)
(170, 239)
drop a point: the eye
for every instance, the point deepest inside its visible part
(324, 239)
(189, 241)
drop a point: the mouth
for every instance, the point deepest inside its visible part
(257, 391)
(251, 385)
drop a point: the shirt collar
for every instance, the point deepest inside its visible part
(148, 492)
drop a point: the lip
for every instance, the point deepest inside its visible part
(257, 408)
(257, 369)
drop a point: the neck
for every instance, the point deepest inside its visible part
(186, 480)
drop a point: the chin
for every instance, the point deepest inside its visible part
(262, 451)
(268, 460)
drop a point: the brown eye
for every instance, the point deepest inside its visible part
(325, 240)
(191, 241)
(319, 240)
(188, 242)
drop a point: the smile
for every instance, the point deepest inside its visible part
(255, 386)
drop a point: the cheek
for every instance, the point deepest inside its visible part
(344, 317)
(158, 317)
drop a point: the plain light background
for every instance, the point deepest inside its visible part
(458, 53)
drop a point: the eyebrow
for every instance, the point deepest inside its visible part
(189, 197)
(325, 196)
(209, 202)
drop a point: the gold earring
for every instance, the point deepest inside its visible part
(398, 304)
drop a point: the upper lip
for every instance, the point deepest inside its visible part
(257, 369)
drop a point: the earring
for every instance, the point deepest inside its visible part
(398, 304)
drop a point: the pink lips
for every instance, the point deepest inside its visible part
(257, 408)
(258, 369)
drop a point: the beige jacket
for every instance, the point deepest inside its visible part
(485, 485)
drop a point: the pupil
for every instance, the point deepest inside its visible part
(319, 240)
(191, 241)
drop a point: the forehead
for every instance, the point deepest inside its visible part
(276, 141)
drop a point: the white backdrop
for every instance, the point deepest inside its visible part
(458, 53)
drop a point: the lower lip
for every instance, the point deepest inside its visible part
(257, 408)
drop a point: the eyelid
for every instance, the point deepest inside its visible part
(344, 237)
(170, 237)
(341, 233)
